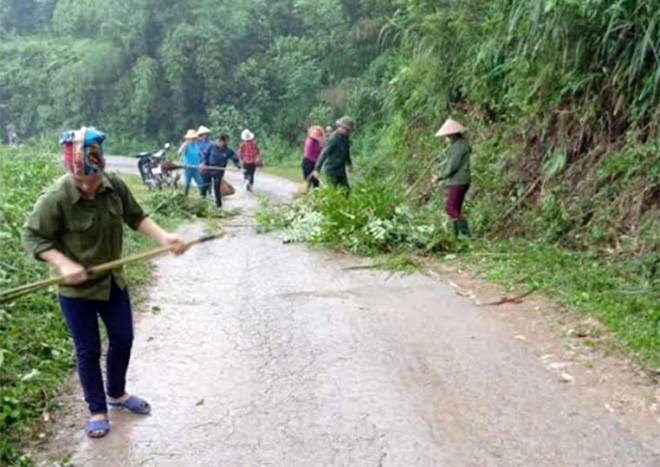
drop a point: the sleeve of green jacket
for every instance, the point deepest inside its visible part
(328, 148)
(39, 232)
(455, 159)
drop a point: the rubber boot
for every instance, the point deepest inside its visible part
(456, 229)
(463, 228)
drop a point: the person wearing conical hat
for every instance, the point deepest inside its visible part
(458, 174)
(79, 223)
(250, 157)
(191, 157)
(203, 138)
(336, 155)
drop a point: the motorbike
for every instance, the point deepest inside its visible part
(155, 170)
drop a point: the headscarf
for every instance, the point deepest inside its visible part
(83, 151)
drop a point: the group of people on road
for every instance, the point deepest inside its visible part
(206, 161)
(333, 151)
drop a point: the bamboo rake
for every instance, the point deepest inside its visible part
(17, 292)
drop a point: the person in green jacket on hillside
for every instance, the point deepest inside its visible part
(458, 174)
(336, 155)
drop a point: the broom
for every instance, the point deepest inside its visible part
(303, 188)
(17, 292)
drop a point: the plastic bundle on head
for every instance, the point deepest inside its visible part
(83, 151)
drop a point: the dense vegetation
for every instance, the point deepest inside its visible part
(31, 369)
(562, 98)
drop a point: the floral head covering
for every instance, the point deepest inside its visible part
(83, 151)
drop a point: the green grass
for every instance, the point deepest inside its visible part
(293, 173)
(614, 290)
(35, 351)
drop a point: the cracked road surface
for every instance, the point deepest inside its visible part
(264, 354)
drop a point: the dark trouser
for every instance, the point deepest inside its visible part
(81, 316)
(214, 180)
(206, 184)
(248, 172)
(455, 198)
(339, 179)
(307, 169)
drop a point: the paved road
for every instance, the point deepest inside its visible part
(264, 354)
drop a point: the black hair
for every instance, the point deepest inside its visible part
(223, 137)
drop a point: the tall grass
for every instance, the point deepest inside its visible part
(35, 352)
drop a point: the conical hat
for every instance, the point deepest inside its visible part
(451, 127)
(203, 131)
(191, 134)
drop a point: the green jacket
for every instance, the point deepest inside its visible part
(89, 232)
(458, 163)
(336, 155)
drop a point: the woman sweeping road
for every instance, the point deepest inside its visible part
(458, 174)
(76, 224)
(217, 156)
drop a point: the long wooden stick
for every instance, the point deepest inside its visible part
(422, 175)
(17, 292)
(199, 167)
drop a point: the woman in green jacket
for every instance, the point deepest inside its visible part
(458, 174)
(76, 224)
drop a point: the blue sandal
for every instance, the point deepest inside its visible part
(133, 404)
(98, 428)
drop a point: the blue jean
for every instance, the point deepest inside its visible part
(81, 316)
(189, 175)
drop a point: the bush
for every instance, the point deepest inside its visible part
(35, 351)
(276, 151)
(175, 205)
(374, 219)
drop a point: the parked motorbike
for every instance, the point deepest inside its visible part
(155, 170)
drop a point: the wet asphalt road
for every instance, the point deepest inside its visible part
(264, 354)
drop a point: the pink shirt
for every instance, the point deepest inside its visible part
(312, 149)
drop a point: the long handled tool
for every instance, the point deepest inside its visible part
(199, 167)
(101, 268)
(304, 187)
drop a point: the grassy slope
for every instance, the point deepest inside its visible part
(606, 289)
